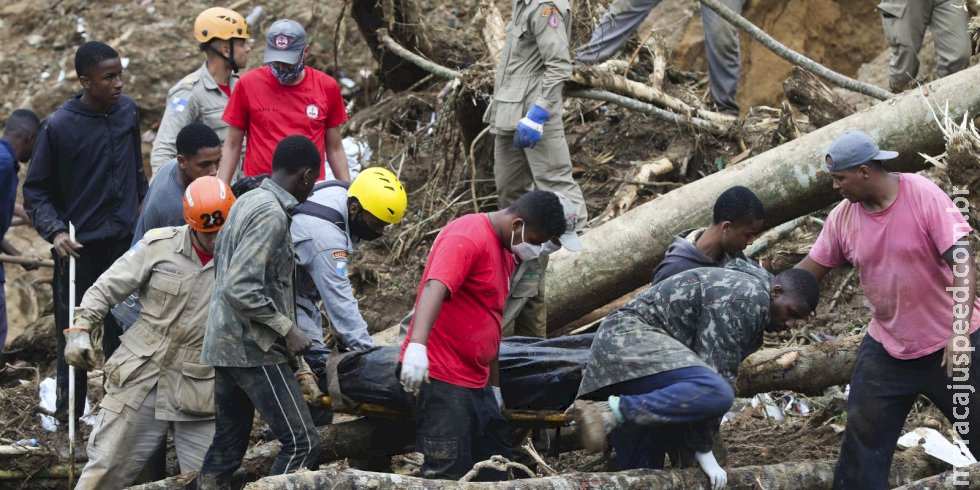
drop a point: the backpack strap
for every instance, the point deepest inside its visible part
(311, 208)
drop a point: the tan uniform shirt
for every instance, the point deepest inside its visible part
(163, 347)
(196, 98)
(534, 64)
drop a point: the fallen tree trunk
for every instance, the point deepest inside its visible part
(361, 438)
(808, 94)
(791, 180)
(809, 369)
(958, 478)
(796, 476)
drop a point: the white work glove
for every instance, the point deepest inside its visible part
(711, 468)
(78, 349)
(415, 367)
(499, 396)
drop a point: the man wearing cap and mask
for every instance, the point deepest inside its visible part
(283, 98)
(909, 242)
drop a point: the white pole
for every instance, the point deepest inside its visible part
(71, 369)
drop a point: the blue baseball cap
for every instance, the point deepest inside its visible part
(853, 149)
(285, 42)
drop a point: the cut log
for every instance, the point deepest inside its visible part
(809, 369)
(791, 180)
(907, 467)
(810, 96)
(628, 193)
(958, 478)
(362, 438)
(604, 80)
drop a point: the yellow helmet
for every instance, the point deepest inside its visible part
(380, 193)
(219, 23)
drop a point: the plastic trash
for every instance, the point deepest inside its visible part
(358, 154)
(764, 403)
(254, 15)
(26, 443)
(48, 395)
(937, 446)
(48, 423)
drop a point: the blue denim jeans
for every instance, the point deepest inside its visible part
(458, 427)
(883, 390)
(274, 392)
(657, 408)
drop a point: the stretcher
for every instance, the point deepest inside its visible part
(539, 379)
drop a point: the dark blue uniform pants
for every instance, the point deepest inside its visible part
(883, 390)
(657, 408)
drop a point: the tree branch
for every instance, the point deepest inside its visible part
(793, 57)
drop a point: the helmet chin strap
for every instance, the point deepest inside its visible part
(230, 59)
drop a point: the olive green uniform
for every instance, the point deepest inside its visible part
(154, 380)
(196, 98)
(533, 67)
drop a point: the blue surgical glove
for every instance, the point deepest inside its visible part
(529, 128)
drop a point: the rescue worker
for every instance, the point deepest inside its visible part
(905, 22)
(910, 244)
(525, 314)
(283, 98)
(457, 326)
(154, 380)
(87, 168)
(737, 218)
(525, 115)
(325, 230)
(202, 96)
(720, 42)
(251, 335)
(664, 365)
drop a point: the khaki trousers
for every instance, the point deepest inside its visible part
(547, 167)
(122, 442)
(905, 22)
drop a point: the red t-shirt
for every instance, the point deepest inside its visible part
(204, 256)
(226, 89)
(898, 254)
(467, 257)
(269, 111)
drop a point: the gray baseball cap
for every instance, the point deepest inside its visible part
(285, 42)
(853, 149)
(570, 238)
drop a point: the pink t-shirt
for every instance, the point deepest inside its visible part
(898, 253)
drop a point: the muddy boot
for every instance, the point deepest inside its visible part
(595, 421)
(80, 453)
(210, 482)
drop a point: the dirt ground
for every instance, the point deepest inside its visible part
(415, 134)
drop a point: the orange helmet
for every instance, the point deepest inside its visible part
(207, 202)
(219, 23)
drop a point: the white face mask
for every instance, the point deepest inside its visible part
(549, 247)
(524, 251)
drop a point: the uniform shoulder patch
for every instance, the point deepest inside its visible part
(341, 254)
(547, 11)
(554, 21)
(178, 103)
(190, 80)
